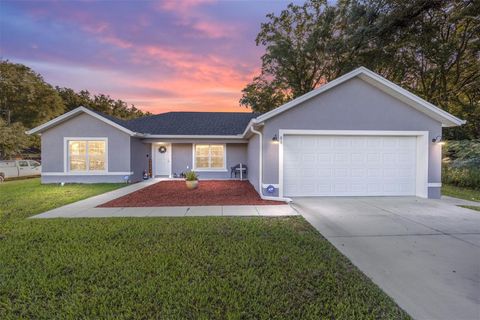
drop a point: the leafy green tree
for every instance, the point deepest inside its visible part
(431, 47)
(261, 94)
(30, 100)
(12, 139)
(100, 102)
(298, 46)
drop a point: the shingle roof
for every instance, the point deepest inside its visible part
(111, 118)
(191, 123)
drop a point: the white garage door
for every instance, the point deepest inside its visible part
(349, 165)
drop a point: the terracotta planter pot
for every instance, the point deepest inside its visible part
(192, 184)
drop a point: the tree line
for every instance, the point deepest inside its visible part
(430, 47)
(27, 101)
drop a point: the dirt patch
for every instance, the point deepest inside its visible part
(208, 193)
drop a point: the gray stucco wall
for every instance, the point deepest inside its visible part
(182, 157)
(138, 158)
(253, 161)
(354, 105)
(84, 126)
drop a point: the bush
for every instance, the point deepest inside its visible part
(462, 154)
(461, 163)
(461, 177)
(191, 176)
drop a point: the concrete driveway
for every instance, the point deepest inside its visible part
(424, 253)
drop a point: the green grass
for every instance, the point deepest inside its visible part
(461, 193)
(471, 208)
(23, 198)
(171, 268)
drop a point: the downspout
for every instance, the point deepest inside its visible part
(260, 170)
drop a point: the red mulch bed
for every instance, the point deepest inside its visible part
(208, 193)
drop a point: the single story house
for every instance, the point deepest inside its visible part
(358, 135)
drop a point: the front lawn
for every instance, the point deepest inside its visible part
(172, 268)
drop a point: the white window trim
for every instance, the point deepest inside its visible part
(422, 151)
(66, 162)
(223, 169)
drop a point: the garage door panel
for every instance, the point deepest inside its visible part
(349, 165)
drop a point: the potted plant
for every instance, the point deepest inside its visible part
(191, 179)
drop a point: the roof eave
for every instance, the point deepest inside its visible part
(73, 113)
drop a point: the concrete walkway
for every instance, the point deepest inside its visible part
(88, 208)
(423, 253)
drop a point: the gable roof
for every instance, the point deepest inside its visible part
(383, 84)
(114, 122)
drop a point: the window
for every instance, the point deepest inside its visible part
(22, 163)
(34, 163)
(209, 157)
(87, 155)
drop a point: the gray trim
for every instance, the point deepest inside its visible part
(434, 192)
(84, 179)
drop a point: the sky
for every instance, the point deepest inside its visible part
(184, 55)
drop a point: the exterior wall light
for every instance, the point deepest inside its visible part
(438, 140)
(275, 138)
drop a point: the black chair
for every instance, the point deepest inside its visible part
(234, 172)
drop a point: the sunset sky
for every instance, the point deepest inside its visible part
(185, 55)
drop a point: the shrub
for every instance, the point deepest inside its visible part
(461, 177)
(191, 176)
(461, 163)
(462, 154)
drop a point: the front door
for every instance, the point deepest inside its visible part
(162, 159)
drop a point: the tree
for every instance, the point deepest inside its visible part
(100, 102)
(261, 95)
(431, 47)
(298, 44)
(30, 100)
(13, 139)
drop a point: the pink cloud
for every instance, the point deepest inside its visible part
(181, 6)
(116, 42)
(178, 57)
(213, 29)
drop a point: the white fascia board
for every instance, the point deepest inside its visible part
(252, 122)
(387, 86)
(74, 112)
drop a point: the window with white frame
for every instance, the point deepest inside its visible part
(209, 157)
(87, 155)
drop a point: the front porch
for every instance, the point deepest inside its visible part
(210, 159)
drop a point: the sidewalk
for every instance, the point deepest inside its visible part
(87, 208)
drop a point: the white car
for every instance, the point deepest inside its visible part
(19, 168)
